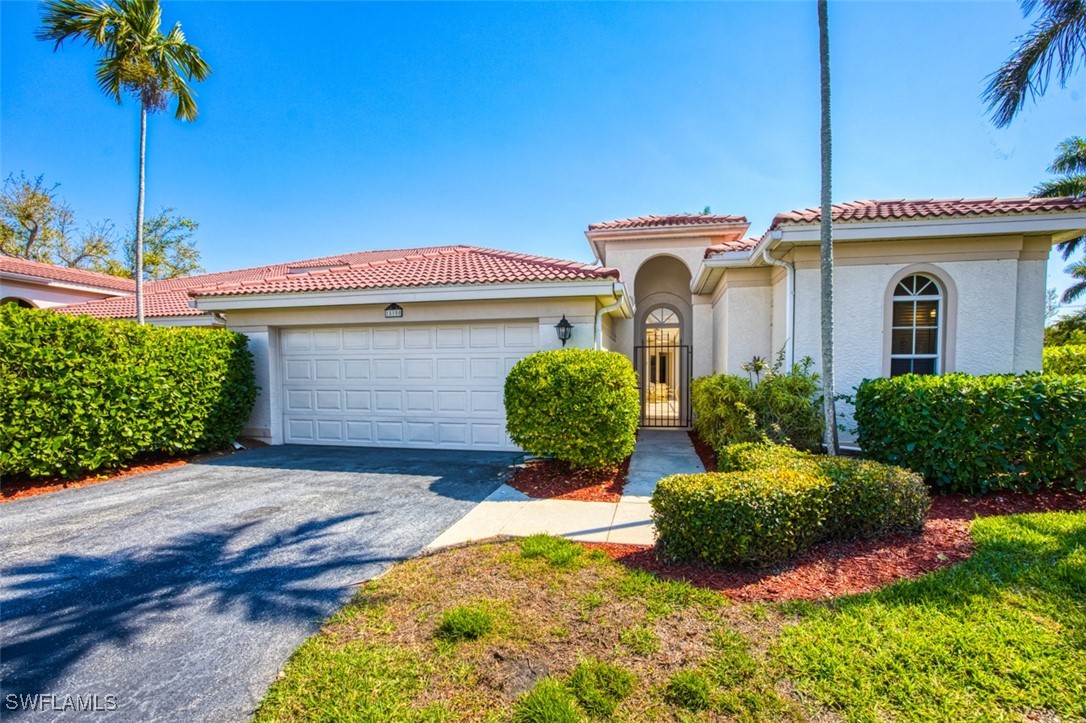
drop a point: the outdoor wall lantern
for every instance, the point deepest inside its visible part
(393, 311)
(564, 329)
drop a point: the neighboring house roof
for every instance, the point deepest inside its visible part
(926, 208)
(439, 265)
(728, 246)
(680, 219)
(10, 265)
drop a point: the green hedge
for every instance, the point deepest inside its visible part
(82, 395)
(781, 408)
(976, 434)
(577, 405)
(769, 502)
(1070, 359)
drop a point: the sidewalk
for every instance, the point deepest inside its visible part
(658, 453)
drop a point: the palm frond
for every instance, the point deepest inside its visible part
(1070, 156)
(1059, 187)
(1069, 247)
(1077, 289)
(1055, 42)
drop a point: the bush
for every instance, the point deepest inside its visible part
(548, 702)
(977, 434)
(769, 502)
(600, 687)
(755, 517)
(867, 499)
(1069, 330)
(1069, 359)
(464, 623)
(782, 408)
(576, 405)
(82, 395)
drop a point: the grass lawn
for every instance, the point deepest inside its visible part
(542, 630)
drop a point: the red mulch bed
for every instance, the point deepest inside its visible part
(551, 479)
(13, 489)
(845, 568)
(705, 452)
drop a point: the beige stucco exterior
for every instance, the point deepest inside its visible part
(47, 294)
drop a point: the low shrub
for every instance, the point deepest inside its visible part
(976, 434)
(548, 702)
(82, 395)
(769, 502)
(1070, 359)
(599, 687)
(781, 408)
(465, 622)
(576, 405)
(755, 517)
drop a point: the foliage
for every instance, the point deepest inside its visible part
(977, 434)
(755, 517)
(1070, 171)
(557, 551)
(1070, 329)
(987, 639)
(1069, 359)
(465, 622)
(782, 408)
(169, 251)
(548, 702)
(688, 689)
(838, 498)
(599, 687)
(82, 395)
(576, 405)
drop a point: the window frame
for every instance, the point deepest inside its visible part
(947, 312)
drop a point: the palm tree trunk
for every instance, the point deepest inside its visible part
(829, 408)
(139, 215)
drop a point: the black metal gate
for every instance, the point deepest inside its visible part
(664, 374)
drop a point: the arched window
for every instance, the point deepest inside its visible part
(917, 326)
(22, 303)
(662, 326)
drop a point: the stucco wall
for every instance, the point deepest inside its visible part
(742, 319)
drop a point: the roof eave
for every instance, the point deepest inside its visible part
(1061, 224)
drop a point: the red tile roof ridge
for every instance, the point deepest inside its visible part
(668, 220)
(545, 260)
(905, 208)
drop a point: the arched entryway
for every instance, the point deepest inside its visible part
(663, 351)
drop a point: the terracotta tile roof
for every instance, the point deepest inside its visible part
(439, 265)
(65, 275)
(726, 246)
(675, 220)
(903, 209)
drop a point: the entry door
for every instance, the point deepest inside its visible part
(420, 386)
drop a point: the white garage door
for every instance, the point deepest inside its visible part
(401, 386)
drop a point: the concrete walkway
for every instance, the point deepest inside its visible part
(658, 453)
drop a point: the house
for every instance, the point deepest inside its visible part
(37, 285)
(410, 348)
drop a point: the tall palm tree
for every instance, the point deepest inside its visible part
(135, 58)
(1053, 44)
(1070, 169)
(1077, 271)
(829, 408)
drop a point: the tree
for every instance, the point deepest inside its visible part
(1077, 271)
(168, 248)
(1068, 330)
(136, 58)
(1070, 171)
(36, 224)
(829, 410)
(1053, 44)
(1052, 304)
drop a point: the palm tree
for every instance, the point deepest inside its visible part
(829, 408)
(1070, 167)
(136, 58)
(1053, 43)
(1077, 271)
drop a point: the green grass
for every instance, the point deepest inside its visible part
(548, 702)
(557, 551)
(465, 622)
(599, 687)
(640, 640)
(999, 635)
(689, 689)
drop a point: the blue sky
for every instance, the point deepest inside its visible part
(339, 126)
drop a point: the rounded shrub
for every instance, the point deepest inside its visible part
(576, 405)
(870, 499)
(722, 411)
(756, 517)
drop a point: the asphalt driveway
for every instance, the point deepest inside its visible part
(179, 594)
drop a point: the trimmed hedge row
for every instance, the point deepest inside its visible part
(1070, 359)
(770, 502)
(977, 434)
(82, 395)
(576, 405)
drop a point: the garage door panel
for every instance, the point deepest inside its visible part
(421, 386)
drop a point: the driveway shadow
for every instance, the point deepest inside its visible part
(58, 610)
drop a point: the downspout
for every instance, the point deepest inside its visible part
(790, 307)
(598, 340)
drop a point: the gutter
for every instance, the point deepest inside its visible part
(790, 304)
(621, 299)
